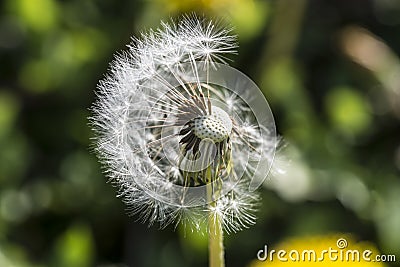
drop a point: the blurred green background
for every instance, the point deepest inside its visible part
(330, 70)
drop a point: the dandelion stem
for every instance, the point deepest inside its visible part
(215, 239)
(215, 232)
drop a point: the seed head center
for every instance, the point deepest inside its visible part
(217, 126)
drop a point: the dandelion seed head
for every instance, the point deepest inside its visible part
(178, 129)
(216, 127)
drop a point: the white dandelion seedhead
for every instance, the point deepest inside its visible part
(181, 134)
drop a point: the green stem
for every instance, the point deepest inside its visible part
(215, 239)
(215, 232)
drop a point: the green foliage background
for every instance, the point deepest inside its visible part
(330, 70)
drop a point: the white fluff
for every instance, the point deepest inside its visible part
(129, 103)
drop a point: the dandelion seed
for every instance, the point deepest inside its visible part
(183, 136)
